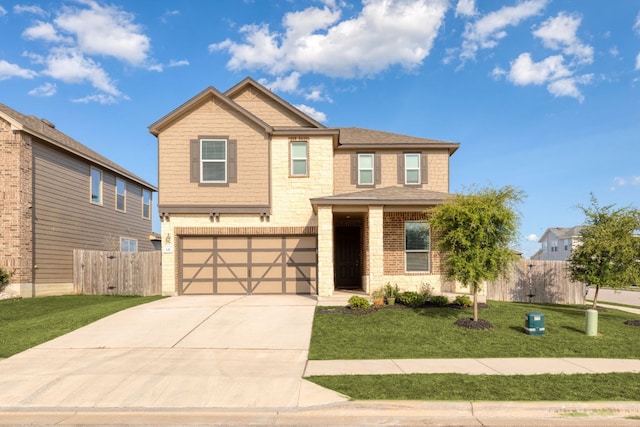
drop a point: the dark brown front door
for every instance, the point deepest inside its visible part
(347, 258)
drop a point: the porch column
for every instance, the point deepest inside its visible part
(376, 249)
(325, 251)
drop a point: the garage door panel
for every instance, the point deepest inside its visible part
(248, 264)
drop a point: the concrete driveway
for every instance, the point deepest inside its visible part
(179, 352)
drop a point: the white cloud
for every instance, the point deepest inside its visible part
(71, 66)
(180, 63)
(638, 62)
(288, 84)
(526, 72)
(636, 26)
(488, 30)
(8, 70)
(466, 8)
(569, 86)
(100, 99)
(385, 33)
(36, 10)
(532, 238)
(44, 31)
(47, 89)
(105, 30)
(312, 112)
(316, 95)
(618, 182)
(560, 33)
(3, 11)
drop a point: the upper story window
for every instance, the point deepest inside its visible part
(412, 168)
(213, 160)
(96, 186)
(417, 245)
(567, 244)
(299, 158)
(365, 169)
(146, 204)
(128, 245)
(121, 194)
(554, 246)
(544, 247)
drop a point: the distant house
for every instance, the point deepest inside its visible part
(257, 197)
(57, 195)
(557, 243)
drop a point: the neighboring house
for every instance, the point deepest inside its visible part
(57, 195)
(256, 197)
(557, 243)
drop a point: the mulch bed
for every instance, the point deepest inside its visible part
(632, 322)
(348, 310)
(480, 325)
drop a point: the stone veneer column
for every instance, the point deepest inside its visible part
(376, 248)
(325, 251)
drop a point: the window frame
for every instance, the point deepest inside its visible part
(426, 251)
(100, 186)
(124, 194)
(298, 159)
(223, 161)
(145, 192)
(407, 169)
(372, 169)
(129, 241)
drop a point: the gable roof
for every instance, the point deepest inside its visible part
(249, 82)
(394, 195)
(46, 131)
(354, 137)
(563, 232)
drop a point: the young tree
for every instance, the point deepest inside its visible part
(609, 252)
(474, 232)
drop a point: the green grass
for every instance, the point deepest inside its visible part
(458, 387)
(431, 333)
(27, 322)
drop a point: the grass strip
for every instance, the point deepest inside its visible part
(461, 387)
(27, 322)
(402, 333)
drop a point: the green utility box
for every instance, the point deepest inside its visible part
(534, 323)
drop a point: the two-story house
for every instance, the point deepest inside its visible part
(257, 197)
(557, 243)
(57, 195)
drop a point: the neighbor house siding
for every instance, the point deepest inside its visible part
(66, 220)
(16, 205)
(437, 169)
(212, 118)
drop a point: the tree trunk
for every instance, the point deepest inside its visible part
(595, 298)
(475, 303)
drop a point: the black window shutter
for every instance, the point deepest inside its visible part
(195, 160)
(423, 168)
(377, 169)
(354, 168)
(401, 168)
(232, 159)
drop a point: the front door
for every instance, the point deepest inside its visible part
(347, 258)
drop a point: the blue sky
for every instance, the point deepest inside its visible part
(543, 95)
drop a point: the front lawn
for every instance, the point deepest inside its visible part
(431, 333)
(27, 322)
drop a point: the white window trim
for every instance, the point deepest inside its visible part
(129, 240)
(91, 186)
(143, 203)
(407, 169)
(306, 159)
(427, 251)
(124, 207)
(203, 161)
(372, 169)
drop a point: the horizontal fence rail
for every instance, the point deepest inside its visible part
(117, 273)
(538, 282)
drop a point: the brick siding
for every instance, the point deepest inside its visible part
(394, 255)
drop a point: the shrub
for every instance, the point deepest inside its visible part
(463, 301)
(391, 291)
(426, 291)
(439, 300)
(411, 299)
(5, 276)
(359, 303)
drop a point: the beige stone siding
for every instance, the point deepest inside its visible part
(16, 206)
(437, 169)
(213, 119)
(267, 109)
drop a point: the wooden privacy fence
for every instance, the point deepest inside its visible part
(117, 273)
(537, 281)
